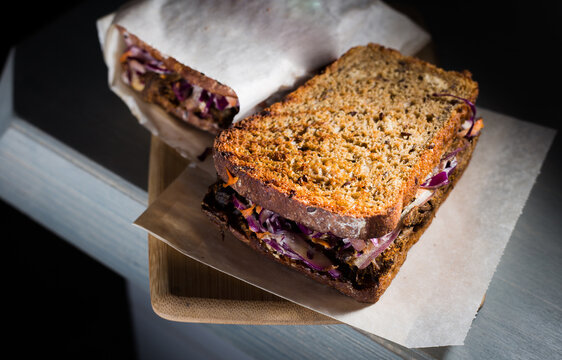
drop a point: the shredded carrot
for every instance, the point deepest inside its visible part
(258, 209)
(125, 55)
(231, 179)
(247, 212)
(478, 125)
(321, 242)
(261, 235)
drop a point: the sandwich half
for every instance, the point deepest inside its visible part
(185, 93)
(343, 176)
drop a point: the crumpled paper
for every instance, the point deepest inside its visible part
(436, 294)
(259, 48)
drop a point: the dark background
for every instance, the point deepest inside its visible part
(62, 303)
(513, 51)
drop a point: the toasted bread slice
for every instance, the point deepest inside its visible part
(348, 150)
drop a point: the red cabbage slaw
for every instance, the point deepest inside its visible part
(472, 126)
(440, 175)
(292, 239)
(375, 247)
(278, 234)
(139, 61)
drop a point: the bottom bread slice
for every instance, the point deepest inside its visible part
(365, 285)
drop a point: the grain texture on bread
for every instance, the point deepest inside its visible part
(348, 150)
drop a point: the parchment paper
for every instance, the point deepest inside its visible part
(435, 296)
(259, 48)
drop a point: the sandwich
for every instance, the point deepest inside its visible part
(341, 178)
(185, 93)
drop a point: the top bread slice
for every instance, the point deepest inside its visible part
(345, 152)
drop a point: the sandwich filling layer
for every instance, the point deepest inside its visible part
(166, 87)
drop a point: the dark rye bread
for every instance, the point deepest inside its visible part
(153, 94)
(388, 263)
(348, 150)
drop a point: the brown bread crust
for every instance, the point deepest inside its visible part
(390, 260)
(289, 200)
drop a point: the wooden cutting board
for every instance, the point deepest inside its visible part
(182, 289)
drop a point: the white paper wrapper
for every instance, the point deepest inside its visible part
(435, 296)
(256, 47)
